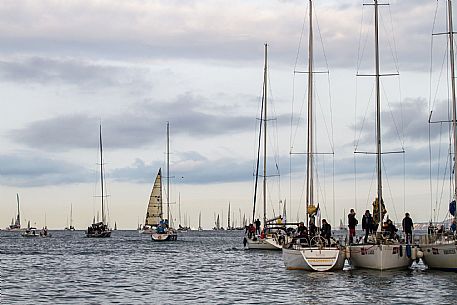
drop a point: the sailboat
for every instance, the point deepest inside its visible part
(16, 223)
(440, 250)
(71, 227)
(30, 231)
(312, 253)
(381, 252)
(200, 222)
(163, 229)
(269, 238)
(100, 229)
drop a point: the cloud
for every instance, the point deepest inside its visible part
(84, 74)
(138, 126)
(27, 169)
(232, 32)
(190, 168)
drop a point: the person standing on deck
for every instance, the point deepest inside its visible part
(352, 223)
(407, 224)
(367, 224)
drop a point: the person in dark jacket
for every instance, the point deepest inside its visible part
(352, 223)
(407, 224)
(367, 224)
(326, 231)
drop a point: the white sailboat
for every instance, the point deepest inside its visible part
(268, 240)
(312, 253)
(70, 227)
(380, 253)
(440, 250)
(30, 231)
(100, 229)
(200, 222)
(163, 230)
(15, 223)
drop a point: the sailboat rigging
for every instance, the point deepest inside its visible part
(310, 251)
(379, 252)
(161, 228)
(269, 238)
(100, 229)
(440, 248)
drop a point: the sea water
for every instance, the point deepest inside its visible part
(208, 267)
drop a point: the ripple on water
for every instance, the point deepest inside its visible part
(200, 268)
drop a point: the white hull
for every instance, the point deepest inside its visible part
(440, 256)
(267, 243)
(314, 259)
(379, 257)
(164, 236)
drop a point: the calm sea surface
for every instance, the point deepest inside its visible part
(206, 267)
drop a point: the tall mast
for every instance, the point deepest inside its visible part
(454, 110)
(228, 219)
(168, 173)
(378, 112)
(101, 175)
(18, 220)
(265, 82)
(71, 215)
(309, 164)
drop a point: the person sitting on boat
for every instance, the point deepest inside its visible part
(326, 231)
(251, 232)
(441, 229)
(391, 230)
(312, 228)
(301, 229)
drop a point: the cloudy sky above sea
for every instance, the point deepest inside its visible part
(66, 66)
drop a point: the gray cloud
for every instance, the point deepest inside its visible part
(84, 74)
(136, 127)
(204, 30)
(28, 169)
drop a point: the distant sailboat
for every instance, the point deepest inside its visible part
(200, 222)
(115, 226)
(163, 229)
(100, 229)
(30, 231)
(71, 227)
(16, 225)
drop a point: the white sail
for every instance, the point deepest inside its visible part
(154, 212)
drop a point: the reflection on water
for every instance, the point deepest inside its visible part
(200, 268)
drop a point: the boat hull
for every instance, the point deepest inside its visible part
(164, 236)
(313, 259)
(105, 234)
(262, 244)
(441, 256)
(379, 257)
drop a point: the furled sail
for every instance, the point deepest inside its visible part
(154, 212)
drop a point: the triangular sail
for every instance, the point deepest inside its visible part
(154, 212)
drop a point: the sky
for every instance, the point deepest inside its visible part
(68, 66)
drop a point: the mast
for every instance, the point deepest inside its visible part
(378, 114)
(309, 164)
(18, 219)
(228, 218)
(101, 175)
(71, 215)
(265, 82)
(454, 108)
(168, 173)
